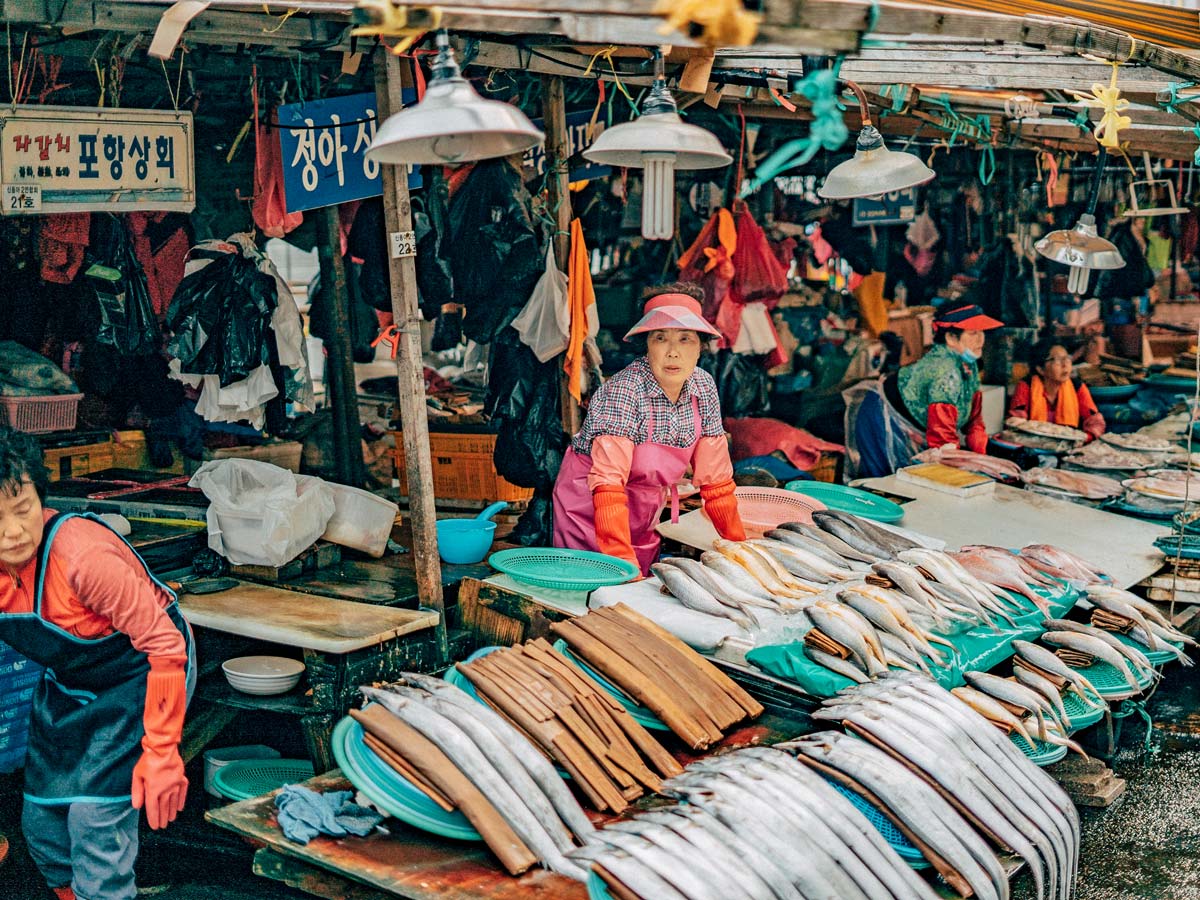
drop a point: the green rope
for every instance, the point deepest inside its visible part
(1171, 105)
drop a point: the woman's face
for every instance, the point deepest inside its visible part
(673, 355)
(1057, 366)
(20, 525)
(971, 341)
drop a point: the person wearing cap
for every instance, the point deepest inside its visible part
(646, 427)
(930, 403)
(1052, 394)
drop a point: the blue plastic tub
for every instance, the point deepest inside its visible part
(462, 541)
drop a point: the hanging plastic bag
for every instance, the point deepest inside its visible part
(758, 274)
(545, 322)
(448, 329)
(709, 261)
(260, 514)
(123, 314)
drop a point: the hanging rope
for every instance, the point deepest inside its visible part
(1109, 99)
(1171, 104)
(607, 55)
(392, 21)
(714, 23)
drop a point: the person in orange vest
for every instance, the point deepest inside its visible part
(646, 427)
(107, 716)
(1052, 394)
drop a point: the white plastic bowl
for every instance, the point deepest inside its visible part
(263, 675)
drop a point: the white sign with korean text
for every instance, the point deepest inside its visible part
(77, 159)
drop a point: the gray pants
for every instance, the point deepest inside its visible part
(89, 846)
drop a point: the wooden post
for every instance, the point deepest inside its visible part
(410, 366)
(341, 386)
(558, 151)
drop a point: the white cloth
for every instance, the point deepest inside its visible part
(757, 334)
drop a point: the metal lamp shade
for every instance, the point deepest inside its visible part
(625, 144)
(453, 124)
(874, 170)
(1081, 247)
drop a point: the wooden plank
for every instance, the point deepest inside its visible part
(364, 582)
(300, 620)
(407, 863)
(410, 366)
(310, 879)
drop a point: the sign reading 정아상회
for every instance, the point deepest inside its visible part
(323, 144)
(62, 159)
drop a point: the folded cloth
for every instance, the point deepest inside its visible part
(304, 814)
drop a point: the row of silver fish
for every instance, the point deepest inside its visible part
(974, 765)
(518, 780)
(756, 824)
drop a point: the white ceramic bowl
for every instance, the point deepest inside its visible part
(263, 675)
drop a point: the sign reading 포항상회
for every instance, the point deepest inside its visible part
(59, 159)
(324, 144)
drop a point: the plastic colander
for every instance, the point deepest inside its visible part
(563, 570)
(763, 508)
(248, 778)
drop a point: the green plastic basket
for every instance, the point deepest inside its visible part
(563, 570)
(1156, 657)
(1080, 714)
(639, 713)
(848, 499)
(1040, 753)
(894, 836)
(247, 778)
(1109, 682)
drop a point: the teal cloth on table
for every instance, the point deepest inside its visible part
(976, 650)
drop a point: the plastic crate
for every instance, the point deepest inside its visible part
(462, 468)
(39, 415)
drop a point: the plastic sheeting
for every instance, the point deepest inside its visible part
(879, 439)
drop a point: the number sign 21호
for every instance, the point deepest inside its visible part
(77, 159)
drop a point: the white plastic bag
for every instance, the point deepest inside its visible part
(545, 322)
(260, 514)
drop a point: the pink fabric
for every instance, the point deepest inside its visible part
(711, 463)
(654, 471)
(761, 437)
(612, 458)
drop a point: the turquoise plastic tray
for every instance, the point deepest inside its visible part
(848, 499)
(1080, 714)
(640, 714)
(596, 888)
(563, 570)
(1040, 753)
(903, 847)
(1156, 657)
(391, 792)
(247, 778)
(1109, 682)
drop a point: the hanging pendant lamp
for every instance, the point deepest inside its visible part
(874, 169)
(452, 123)
(1081, 247)
(659, 142)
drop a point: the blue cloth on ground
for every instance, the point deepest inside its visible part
(304, 814)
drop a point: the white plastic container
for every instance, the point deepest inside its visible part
(223, 756)
(361, 520)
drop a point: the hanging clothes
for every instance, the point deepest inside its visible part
(62, 243)
(585, 320)
(269, 208)
(708, 262)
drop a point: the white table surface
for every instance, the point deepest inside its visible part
(1121, 546)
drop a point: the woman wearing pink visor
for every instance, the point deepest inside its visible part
(646, 426)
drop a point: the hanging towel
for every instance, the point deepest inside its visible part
(581, 298)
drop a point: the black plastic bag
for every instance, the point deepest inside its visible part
(523, 403)
(447, 330)
(742, 382)
(220, 316)
(123, 316)
(364, 324)
(1135, 278)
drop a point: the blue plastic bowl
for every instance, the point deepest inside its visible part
(462, 541)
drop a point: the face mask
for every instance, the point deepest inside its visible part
(969, 356)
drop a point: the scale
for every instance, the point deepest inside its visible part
(1151, 188)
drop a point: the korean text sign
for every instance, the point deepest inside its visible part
(581, 134)
(323, 144)
(56, 159)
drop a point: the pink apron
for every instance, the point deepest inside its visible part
(654, 474)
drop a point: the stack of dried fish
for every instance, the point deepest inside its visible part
(687, 692)
(1080, 646)
(465, 756)
(1082, 484)
(756, 825)
(973, 766)
(611, 757)
(1140, 619)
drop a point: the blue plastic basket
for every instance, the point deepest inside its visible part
(1040, 753)
(903, 846)
(1080, 714)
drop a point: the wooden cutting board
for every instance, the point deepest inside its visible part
(301, 620)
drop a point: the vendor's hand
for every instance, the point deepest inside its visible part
(160, 786)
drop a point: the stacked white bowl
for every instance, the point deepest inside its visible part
(263, 675)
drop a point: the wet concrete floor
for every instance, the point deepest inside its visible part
(1146, 846)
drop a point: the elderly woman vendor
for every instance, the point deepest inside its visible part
(1052, 394)
(932, 402)
(646, 427)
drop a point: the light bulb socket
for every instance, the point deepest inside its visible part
(659, 102)
(445, 66)
(869, 139)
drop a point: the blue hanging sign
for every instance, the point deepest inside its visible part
(895, 208)
(323, 145)
(579, 139)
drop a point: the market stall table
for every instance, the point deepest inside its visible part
(1010, 517)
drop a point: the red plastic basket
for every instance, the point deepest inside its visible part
(38, 415)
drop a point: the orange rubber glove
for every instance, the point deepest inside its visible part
(158, 780)
(612, 522)
(721, 506)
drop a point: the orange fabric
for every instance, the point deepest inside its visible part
(720, 503)
(719, 252)
(63, 893)
(975, 435)
(159, 783)
(871, 305)
(89, 561)
(612, 458)
(581, 301)
(1066, 406)
(612, 523)
(269, 209)
(711, 463)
